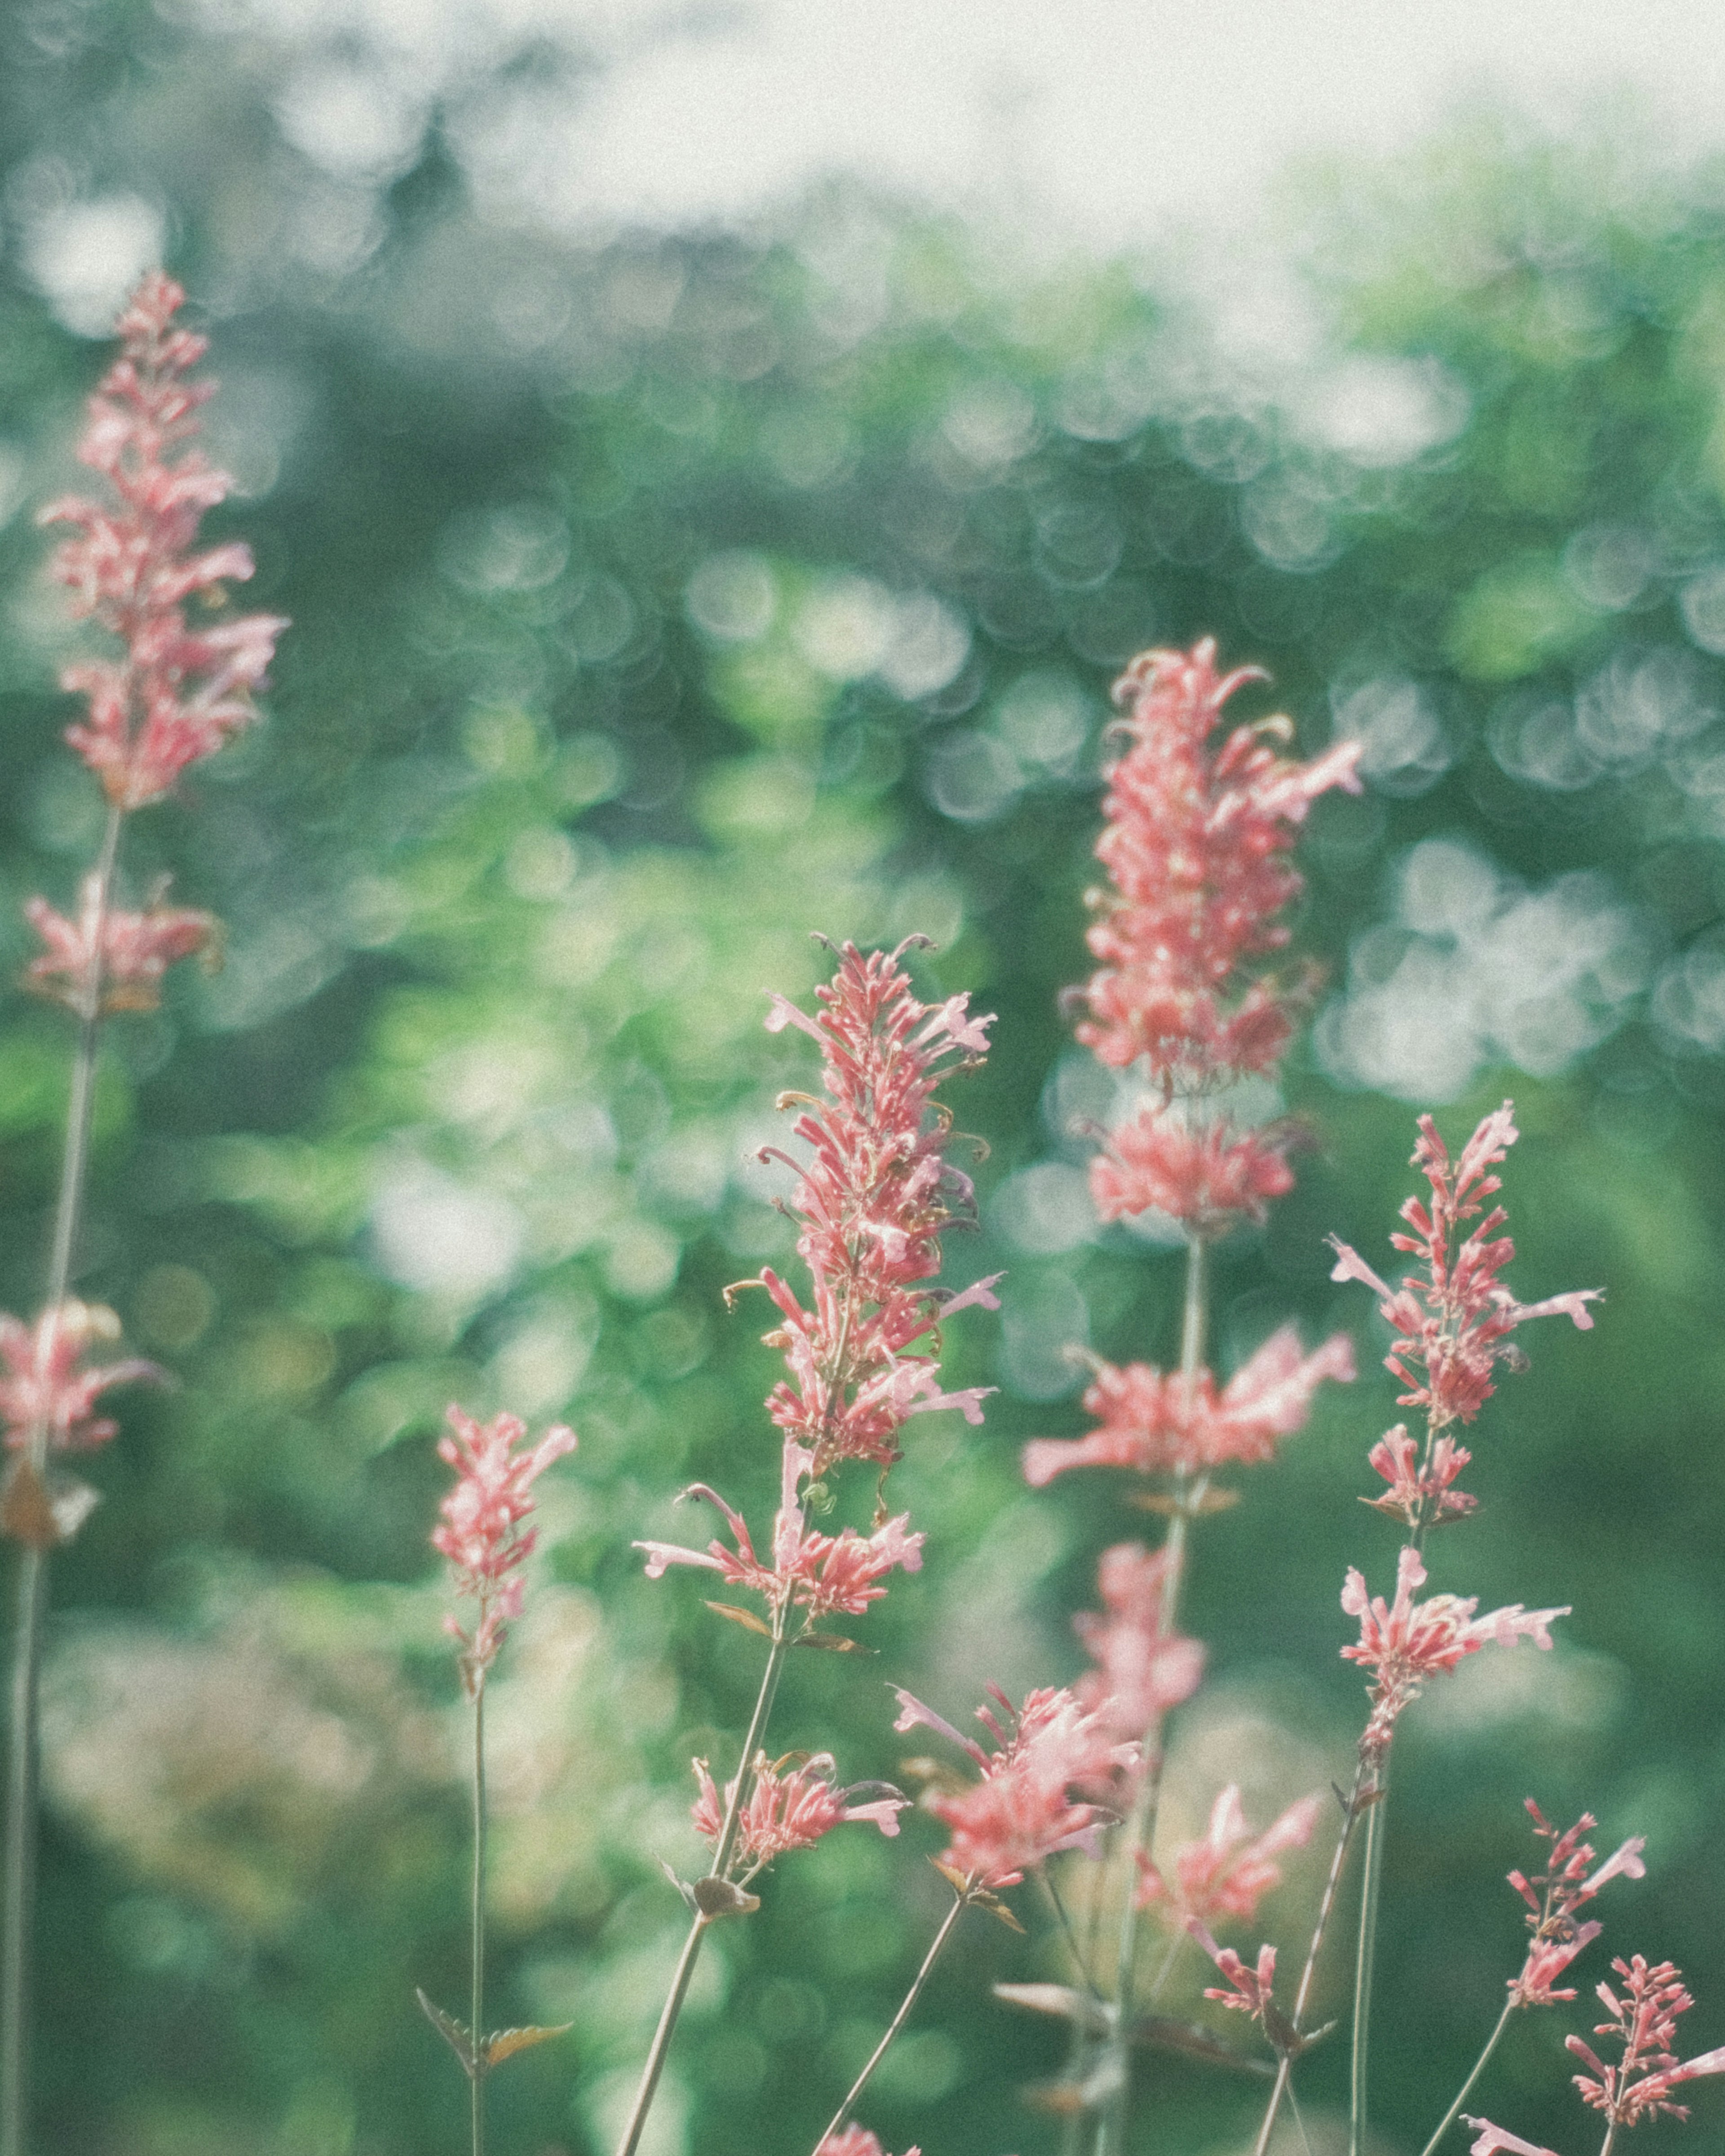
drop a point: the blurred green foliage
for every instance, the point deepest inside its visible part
(657, 600)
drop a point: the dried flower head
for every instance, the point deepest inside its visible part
(1157, 1422)
(1196, 846)
(1022, 1812)
(177, 692)
(1405, 1642)
(107, 961)
(1228, 1869)
(792, 1802)
(1143, 1669)
(1453, 1319)
(46, 1388)
(480, 1533)
(823, 1574)
(872, 1200)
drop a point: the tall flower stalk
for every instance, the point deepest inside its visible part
(172, 695)
(873, 1193)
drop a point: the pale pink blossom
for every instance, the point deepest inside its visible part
(1419, 1490)
(1405, 1642)
(1202, 1173)
(1155, 1422)
(855, 2141)
(1142, 1670)
(1571, 1878)
(1492, 2139)
(481, 1532)
(1250, 1989)
(1022, 1812)
(825, 1574)
(871, 1201)
(791, 1804)
(109, 961)
(45, 1386)
(1227, 1872)
(1453, 1319)
(1644, 2021)
(1196, 844)
(178, 692)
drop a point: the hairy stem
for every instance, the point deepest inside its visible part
(1373, 1869)
(478, 2024)
(722, 1855)
(961, 1902)
(16, 1920)
(1141, 1825)
(1479, 2067)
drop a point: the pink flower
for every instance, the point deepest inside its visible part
(1419, 1491)
(855, 2141)
(1643, 2021)
(825, 1574)
(1406, 1642)
(1569, 1879)
(1143, 1670)
(45, 1388)
(1154, 1422)
(1021, 1812)
(1492, 2139)
(1250, 1988)
(178, 692)
(137, 949)
(1196, 849)
(481, 1520)
(872, 1200)
(1203, 1173)
(1230, 1871)
(1452, 1320)
(790, 1806)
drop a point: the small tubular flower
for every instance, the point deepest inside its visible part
(1249, 1991)
(855, 2141)
(1195, 844)
(1203, 1173)
(1453, 1319)
(1490, 2139)
(872, 1199)
(45, 1386)
(1570, 1879)
(1141, 1671)
(481, 1531)
(1155, 1422)
(1405, 1642)
(1643, 2021)
(178, 693)
(109, 961)
(792, 1802)
(1419, 1491)
(1229, 1871)
(1021, 1812)
(825, 1574)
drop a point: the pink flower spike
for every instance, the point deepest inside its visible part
(45, 1386)
(480, 1529)
(1491, 2139)
(137, 949)
(1227, 1872)
(178, 693)
(790, 1806)
(1644, 2021)
(1142, 1670)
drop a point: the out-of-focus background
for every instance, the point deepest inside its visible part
(717, 460)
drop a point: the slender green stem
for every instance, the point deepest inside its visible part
(1479, 2066)
(17, 1919)
(1141, 1825)
(478, 2024)
(961, 1902)
(723, 1853)
(1373, 1869)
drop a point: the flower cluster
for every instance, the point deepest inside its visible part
(1249, 1991)
(46, 1388)
(1156, 1422)
(109, 961)
(481, 1532)
(1143, 1669)
(1227, 1871)
(825, 1574)
(178, 692)
(1554, 1895)
(1452, 1321)
(1644, 2021)
(872, 1201)
(1405, 1642)
(791, 1804)
(1201, 1171)
(1021, 1812)
(855, 2141)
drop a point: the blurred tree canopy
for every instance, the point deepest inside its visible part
(658, 599)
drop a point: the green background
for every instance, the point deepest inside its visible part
(658, 600)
